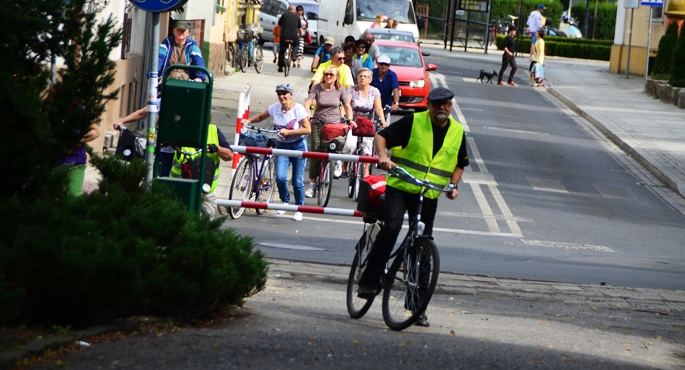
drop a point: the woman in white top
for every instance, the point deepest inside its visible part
(366, 101)
(292, 122)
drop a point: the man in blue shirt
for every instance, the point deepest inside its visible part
(323, 53)
(386, 81)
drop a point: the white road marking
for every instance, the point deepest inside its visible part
(548, 244)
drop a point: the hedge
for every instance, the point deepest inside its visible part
(566, 47)
(606, 19)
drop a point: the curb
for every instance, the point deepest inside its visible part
(652, 168)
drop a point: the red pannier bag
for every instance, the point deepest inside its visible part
(370, 191)
(332, 130)
(364, 128)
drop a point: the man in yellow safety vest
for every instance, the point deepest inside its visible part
(430, 145)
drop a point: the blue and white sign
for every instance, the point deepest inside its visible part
(159, 6)
(652, 3)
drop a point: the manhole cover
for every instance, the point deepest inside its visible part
(291, 246)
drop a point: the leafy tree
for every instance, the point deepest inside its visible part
(664, 54)
(41, 124)
(677, 76)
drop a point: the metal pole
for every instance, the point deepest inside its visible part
(487, 28)
(594, 21)
(630, 41)
(649, 40)
(586, 21)
(453, 17)
(448, 16)
(152, 99)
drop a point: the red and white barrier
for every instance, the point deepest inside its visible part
(301, 154)
(243, 113)
(290, 208)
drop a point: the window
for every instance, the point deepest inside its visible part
(126, 36)
(657, 13)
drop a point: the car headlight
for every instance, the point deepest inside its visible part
(417, 83)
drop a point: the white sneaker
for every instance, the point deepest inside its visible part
(297, 216)
(338, 169)
(280, 211)
(309, 193)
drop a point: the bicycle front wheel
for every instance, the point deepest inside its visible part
(357, 307)
(258, 59)
(351, 178)
(358, 179)
(409, 285)
(325, 183)
(241, 187)
(267, 184)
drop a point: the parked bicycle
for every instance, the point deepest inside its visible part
(410, 280)
(332, 143)
(250, 52)
(255, 176)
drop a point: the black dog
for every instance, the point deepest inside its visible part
(488, 75)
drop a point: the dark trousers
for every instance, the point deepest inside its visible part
(283, 46)
(506, 60)
(396, 203)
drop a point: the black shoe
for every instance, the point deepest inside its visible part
(365, 292)
(280, 69)
(422, 321)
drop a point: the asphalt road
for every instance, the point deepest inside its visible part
(545, 198)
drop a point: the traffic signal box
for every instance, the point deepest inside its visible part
(183, 122)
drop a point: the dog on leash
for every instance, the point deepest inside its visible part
(489, 76)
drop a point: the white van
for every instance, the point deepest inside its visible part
(340, 19)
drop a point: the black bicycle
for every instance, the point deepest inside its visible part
(408, 284)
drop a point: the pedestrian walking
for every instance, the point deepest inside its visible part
(535, 22)
(537, 65)
(303, 30)
(277, 41)
(508, 58)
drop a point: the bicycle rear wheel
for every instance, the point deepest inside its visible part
(242, 58)
(267, 184)
(357, 307)
(241, 187)
(325, 182)
(287, 61)
(409, 285)
(258, 58)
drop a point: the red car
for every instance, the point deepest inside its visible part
(406, 60)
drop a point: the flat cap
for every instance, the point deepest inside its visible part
(439, 94)
(284, 86)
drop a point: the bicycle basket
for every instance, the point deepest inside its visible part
(371, 192)
(333, 130)
(245, 35)
(364, 128)
(253, 139)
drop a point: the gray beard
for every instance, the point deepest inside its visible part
(441, 117)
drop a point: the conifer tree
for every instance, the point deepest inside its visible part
(677, 76)
(664, 54)
(40, 123)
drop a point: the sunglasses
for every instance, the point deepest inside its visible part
(341, 58)
(361, 47)
(329, 74)
(383, 64)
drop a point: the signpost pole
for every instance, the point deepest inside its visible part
(630, 41)
(153, 114)
(649, 41)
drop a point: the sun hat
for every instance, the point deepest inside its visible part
(383, 59)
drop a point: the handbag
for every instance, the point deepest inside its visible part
(539, 71)
(253, 139)
(364, 127)
(333, 130)
(307, 37)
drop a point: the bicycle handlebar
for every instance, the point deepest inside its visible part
(397, 171)
(259, 129)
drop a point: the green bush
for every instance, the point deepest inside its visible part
(664, 54)
(677, 76)
(121, 250)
